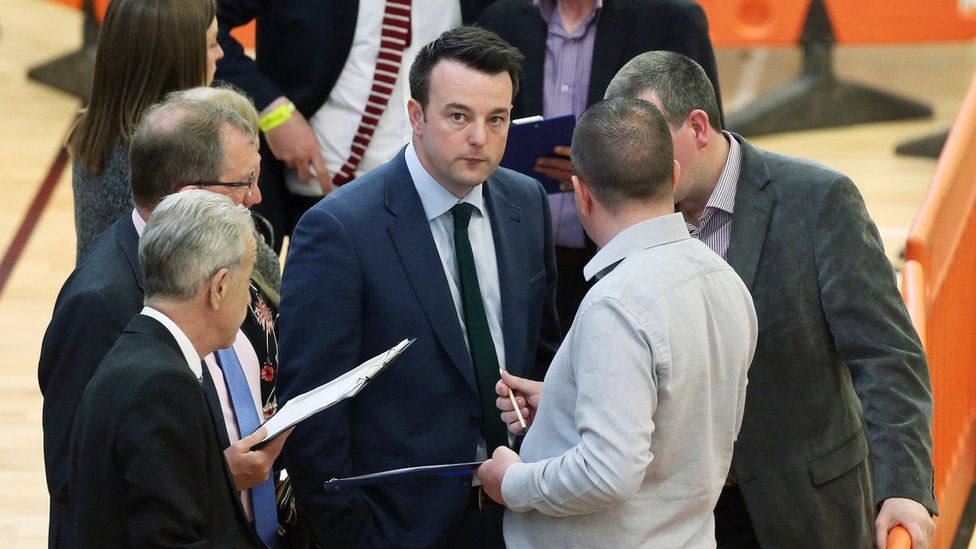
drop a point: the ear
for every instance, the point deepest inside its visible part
(584, 199)
(219, 286)
(674, 175)
(186, 188)
(698, 121)
(415, 111)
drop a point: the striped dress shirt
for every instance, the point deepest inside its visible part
(715, 224)
(565, 89)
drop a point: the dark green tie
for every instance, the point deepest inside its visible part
(479, 335)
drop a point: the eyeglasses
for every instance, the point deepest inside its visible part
(231, 184)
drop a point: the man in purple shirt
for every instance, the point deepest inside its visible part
(572, 49)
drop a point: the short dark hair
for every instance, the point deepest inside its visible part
(679, 82)
(179, 142)
(622, 150)
(475, 47)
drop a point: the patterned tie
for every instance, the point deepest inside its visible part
(262, 495)
(479, 335)
(394, 38)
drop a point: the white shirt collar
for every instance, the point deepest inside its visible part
(189, 352)
(435, 199)
(138, 222)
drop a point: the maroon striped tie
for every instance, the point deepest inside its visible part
(394, 38)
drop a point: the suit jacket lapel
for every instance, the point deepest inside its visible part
(510, 251)
(411, 236)
(217, 416)
(753, 208)
(613, 25)
(213, 402)
(533, 46)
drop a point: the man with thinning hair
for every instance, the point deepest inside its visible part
(836, 443)
(633, 436)
(146, 464)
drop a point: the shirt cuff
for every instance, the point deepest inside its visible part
(517, 487)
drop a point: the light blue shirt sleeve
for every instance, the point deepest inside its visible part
(616, 396)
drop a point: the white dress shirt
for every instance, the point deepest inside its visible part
(336, 122)
(640, 408)
(189, 352)
(437, 202)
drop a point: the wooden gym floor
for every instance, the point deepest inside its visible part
(35, 119)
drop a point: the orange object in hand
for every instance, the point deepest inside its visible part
(899, 538)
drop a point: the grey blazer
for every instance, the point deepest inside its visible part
(839, 409)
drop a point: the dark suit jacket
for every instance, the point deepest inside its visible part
(96, 302)
(146, 466)
(301, 47)
(363, 273)
(839, 374)
(625, 29)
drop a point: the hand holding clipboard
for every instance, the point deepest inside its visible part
(534, 143)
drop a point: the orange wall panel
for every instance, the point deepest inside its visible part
(245, 35)
(891, 21)
(739, 23)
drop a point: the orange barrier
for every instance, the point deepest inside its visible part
(890, 21)
(899, 538)
(76, 4)
(244, 34)
(743, 23)
(100, 6)
(739, 23)
(940, 289)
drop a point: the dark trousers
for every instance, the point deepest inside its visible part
(481, 525)
(733, 528)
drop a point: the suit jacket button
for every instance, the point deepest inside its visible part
(473, 419)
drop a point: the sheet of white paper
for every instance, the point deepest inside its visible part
(348, 384)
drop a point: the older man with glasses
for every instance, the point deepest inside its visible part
(181, 142)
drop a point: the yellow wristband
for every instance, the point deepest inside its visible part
(277, 117)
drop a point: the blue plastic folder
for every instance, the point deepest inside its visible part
(533, 138)
(396, 475)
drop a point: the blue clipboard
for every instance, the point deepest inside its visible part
(395, 475)
(530, 140)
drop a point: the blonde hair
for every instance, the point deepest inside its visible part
(223, 96)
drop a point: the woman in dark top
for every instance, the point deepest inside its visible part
(146, 48)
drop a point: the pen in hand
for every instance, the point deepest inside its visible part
(518, 411)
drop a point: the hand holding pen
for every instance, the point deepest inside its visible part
(518, 399)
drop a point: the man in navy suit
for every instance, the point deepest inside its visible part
(438, 245)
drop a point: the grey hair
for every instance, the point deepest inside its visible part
(678, 81)
(189, 237)
(179, 142)
(225, 96)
